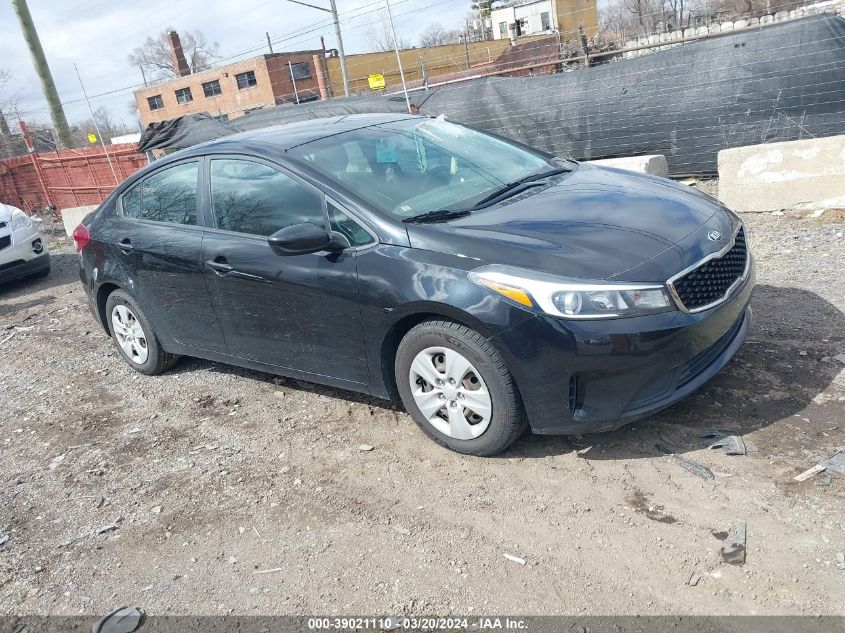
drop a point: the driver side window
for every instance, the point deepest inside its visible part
(248, 197)
(169, 196)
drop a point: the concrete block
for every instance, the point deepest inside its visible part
(740, 24)
(654, 164)
(714, 28)
(727, 26)
(805, 175)
(73, 216)
(767, 19)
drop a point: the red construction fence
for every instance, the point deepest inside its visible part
(67, 178)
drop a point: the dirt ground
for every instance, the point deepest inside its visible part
(216, 490)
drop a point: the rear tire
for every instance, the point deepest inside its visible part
(457, 388)
(134, 336)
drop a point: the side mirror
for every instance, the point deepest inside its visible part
(301, 239)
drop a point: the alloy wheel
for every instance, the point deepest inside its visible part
(450, 393)
(129, 334)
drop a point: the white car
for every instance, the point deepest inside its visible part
(23, 252)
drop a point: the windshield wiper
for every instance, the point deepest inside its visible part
(512, 187)
(440, 215)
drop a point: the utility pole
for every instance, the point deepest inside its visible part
(57, 114)
(343, 70)
(398, 58)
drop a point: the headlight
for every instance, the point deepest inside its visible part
(20, 220)
(572, 298)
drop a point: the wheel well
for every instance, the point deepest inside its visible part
(103, 293)
(398, 331)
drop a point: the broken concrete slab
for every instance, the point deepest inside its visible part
(73, 216)
(654, 164)
(807, 174)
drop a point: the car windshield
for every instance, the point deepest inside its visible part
(416, 166)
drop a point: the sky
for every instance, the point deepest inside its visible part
(98, 35)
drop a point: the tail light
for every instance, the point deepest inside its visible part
(81, 237)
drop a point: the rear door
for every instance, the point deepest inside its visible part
(158, 239)
(299, 312)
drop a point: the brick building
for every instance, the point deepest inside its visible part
(233, 89)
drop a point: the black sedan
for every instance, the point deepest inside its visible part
(489, 286)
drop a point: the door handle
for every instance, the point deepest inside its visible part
(125, 245)
(219, 268)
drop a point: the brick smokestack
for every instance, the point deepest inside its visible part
(180, 64)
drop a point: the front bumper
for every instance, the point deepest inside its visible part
(25, 253)
(592, 376)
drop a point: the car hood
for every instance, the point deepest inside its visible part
(6, 212)
(593, 223)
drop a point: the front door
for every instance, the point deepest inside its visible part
(300, 312)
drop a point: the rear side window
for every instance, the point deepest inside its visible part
(252, 198)
(167, 196)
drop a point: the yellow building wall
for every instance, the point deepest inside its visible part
(439, 60)
(573, 13)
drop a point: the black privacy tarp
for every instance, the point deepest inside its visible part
(775, 83)
(192, 129)
(687, 102)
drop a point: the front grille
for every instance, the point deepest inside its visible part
(2, 225)
(710, 282)
(5, 241)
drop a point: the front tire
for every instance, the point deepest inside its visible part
(457, 388)
(134, 336)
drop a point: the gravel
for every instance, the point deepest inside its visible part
(215, 490)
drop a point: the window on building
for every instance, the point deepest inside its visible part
(249, 197)
(183, 95)
(301, 70)
(503, 29)
(545, 22)
(522, 26)
(155, 102)
(167, 196)
(246, 80)
(212, 88)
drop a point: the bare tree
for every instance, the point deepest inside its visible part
(155, 57)
(435, 35)
(379, 36)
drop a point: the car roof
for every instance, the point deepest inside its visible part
(273, 139)
(289, 135)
